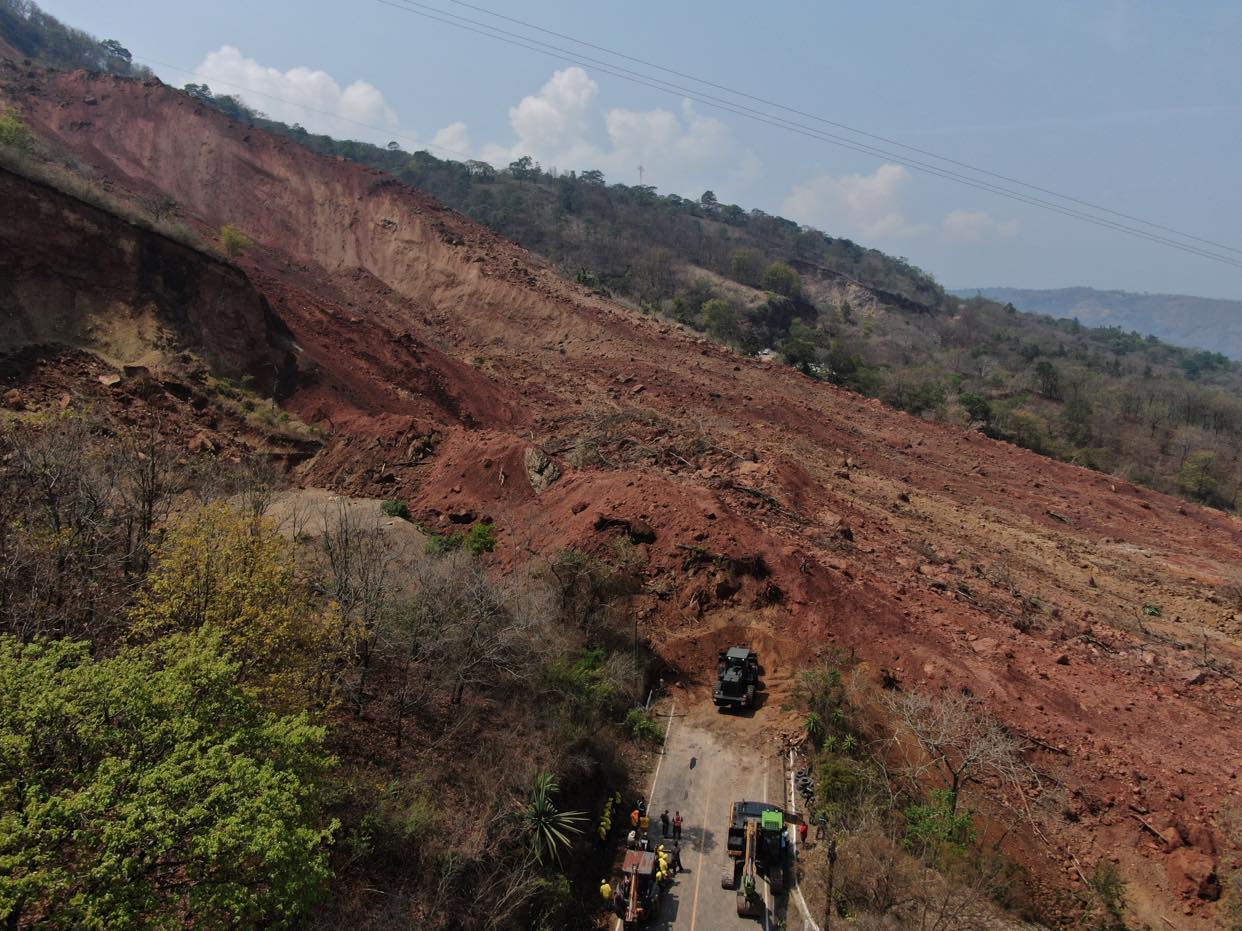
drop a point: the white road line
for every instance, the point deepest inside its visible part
(698, 869)
(793, 807)
(663, 749)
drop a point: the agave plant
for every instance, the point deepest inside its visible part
(551, 831)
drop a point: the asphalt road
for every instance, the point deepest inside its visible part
(710, 761)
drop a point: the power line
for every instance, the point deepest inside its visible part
(543, 48)
(843, 126)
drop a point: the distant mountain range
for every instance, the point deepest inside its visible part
(1199, 322)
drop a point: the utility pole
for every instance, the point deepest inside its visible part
(640, 175)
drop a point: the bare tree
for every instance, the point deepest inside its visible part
(476, 631)
(62, 543)
(356, 575)
(147, 481)
(950, 734)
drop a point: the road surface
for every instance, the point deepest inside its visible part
(711, 760)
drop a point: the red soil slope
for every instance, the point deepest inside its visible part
(1093, 616)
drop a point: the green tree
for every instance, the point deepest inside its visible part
(150, 790)
(721, 320)
(1047, 380)
(524, 168)
(220, 570)
(977, 407)
(781, 278)
(745, 267)
(118, 55)
(1196, 476)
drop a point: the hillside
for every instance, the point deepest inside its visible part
(1198, 322)
(1127, 404)
(442, 366)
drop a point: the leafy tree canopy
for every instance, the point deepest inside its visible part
(150, 790)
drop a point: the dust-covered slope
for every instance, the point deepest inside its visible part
(458, 372)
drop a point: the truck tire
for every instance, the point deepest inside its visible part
(750, 696)
(728, 878)
(776, 880)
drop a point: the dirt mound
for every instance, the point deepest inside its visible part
(1094, 617)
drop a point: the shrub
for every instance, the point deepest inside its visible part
(396, 509)
(13, 131)
(935, 830)
(642, 726)
(1107, 884)
(480, 539)
(234, 241)
(440, 543)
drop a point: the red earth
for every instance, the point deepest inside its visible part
(440, 362)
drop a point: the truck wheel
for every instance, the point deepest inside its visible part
(750, 696)
(728, 878)
(777, 880)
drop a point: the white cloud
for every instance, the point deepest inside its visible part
(974, 225)
(454, 137)
(300, 95)
(560, 127)
(868, 206)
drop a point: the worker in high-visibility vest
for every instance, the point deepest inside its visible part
(605, 891)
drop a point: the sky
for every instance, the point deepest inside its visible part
(1129, 105)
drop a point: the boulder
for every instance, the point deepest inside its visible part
(541, 471)
(1193, 873)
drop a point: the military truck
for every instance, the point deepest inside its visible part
(758, 848)
(737, 678)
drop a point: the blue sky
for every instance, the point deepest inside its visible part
(1136, 106)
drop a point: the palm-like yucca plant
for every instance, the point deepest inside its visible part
(551, 831)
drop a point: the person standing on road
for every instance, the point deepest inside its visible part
(803, 827)
(677, 826)
(676, 858)
(634, 816)
(664, 823)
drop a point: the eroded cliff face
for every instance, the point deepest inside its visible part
(764, 505)
(76, 275)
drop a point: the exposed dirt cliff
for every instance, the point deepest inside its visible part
(1092, 616)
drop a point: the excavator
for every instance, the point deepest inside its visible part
(758, 847)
